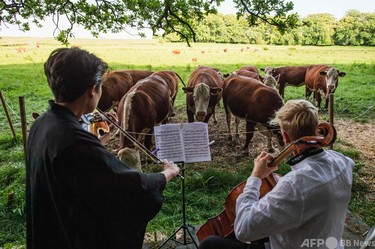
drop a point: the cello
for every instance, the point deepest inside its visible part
(223, 224)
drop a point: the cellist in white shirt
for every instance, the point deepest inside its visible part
(308, 205)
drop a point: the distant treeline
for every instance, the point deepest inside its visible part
(354, 29)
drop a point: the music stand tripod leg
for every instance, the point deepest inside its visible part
(184, 226)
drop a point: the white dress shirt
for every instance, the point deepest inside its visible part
(306, 209)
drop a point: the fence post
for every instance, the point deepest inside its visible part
(23, 123)
(7, 114)
(330, 110)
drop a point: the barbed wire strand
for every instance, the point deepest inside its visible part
(363, 113)
(216, 135)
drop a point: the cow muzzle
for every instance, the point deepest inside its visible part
(200, 116)
(331, 88)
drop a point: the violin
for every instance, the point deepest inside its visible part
(140, 146)
(97, 125)
(223, 224)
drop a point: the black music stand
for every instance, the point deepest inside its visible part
(184, 226)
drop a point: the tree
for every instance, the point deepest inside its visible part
(319, 29)
(236, 29)
(169, 16)
(355, 29)
(216, 29)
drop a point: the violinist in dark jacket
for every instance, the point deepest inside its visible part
(79, 195)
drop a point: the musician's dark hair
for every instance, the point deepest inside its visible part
(72, 71)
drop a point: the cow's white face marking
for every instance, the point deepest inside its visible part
(201, 97)
(270, 81)
(131, 157)
(332, 76)
(268, 70)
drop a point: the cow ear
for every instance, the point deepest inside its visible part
(215, 90)
(323, 73)
(342, 74)
(187, 89)
(262, 69)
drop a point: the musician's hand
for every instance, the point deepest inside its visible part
(261, 169)
(171, 170)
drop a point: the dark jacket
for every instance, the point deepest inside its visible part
(79, 195)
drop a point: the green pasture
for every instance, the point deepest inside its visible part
(21, 74)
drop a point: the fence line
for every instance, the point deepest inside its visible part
(18, 122)
(363, 113)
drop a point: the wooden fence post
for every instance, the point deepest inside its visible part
(7, 114)
(23, 123)
(330, 110)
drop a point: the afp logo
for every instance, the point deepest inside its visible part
(330, 243)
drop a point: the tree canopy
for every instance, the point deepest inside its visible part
(180, 17)
(354, 29)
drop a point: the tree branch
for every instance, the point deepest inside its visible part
(183, 22)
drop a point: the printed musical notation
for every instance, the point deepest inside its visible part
(187, 142)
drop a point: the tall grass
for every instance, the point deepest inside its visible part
(21, 74)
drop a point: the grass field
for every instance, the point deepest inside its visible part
(21, 74)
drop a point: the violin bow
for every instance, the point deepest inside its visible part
(130, 137)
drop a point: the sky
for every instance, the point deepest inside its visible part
(337, 8)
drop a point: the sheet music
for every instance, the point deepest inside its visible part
(169, 145)
(186, 142)
(195, 138)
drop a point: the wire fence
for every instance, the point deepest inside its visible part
(16, 120)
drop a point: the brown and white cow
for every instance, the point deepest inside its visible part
(270, 81)
(116, 84)
(250, 69)
(216, 69)
(138, 74)
(203, 93)
(171, 78)
(288, 76)
(268, 78)
(249, 99)
(131, 157)
(145, 105)
(247, 73)
(322, 80)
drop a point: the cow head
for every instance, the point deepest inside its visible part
(268, 70)
(201, 96)
(270, 81)
(332, 75)
(131, 157)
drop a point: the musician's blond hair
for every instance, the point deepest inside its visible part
(298, 118)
